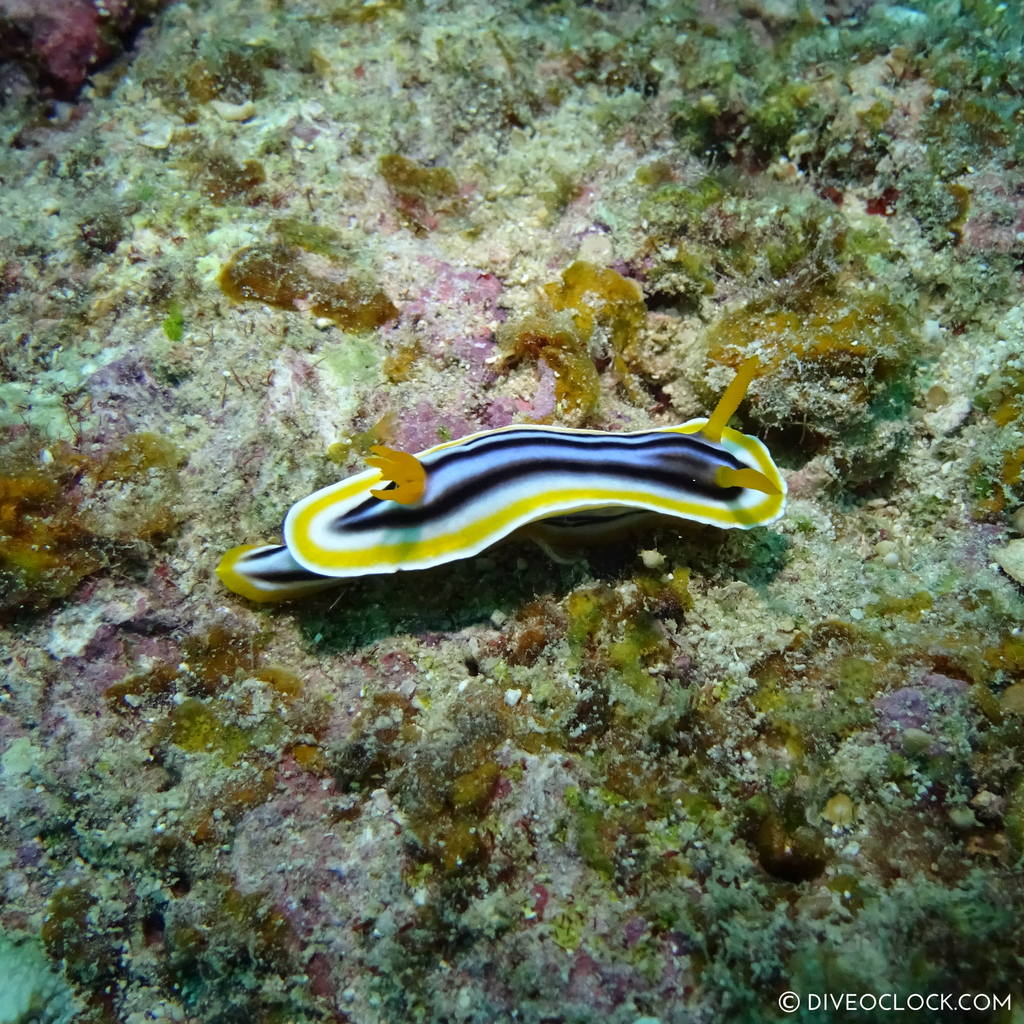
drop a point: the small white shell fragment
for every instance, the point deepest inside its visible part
(234, 111)
(1011, 559)
(157, 135)
(652, 558)
(949, 416)
(1017, 519)
(512, 697)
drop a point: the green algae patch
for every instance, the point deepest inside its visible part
(84, 931)
(822, 686)
(567, 930)
(282, 276)
(415, 182)
(710, 235)
(911, 607)
(354, 360)
(445, 785)
(65, 927)
(621, 627)
(214, 661)
(687, 203)
(641, 642)
(968, 126)
(626, 690)
(219, 943)
(174, 323)
(776, 112)
(312, 237)
(473, 788)
(195, 727)
(196, 689)
(213, 68)
(596, 832)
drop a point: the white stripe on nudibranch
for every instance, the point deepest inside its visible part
(458, 498)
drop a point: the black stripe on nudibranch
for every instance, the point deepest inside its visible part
(673, 461)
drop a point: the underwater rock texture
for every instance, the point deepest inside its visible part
(65, 41)
(669, 779)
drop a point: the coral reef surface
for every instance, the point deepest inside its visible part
(683, 775)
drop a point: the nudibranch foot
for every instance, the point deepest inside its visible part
(563, 538)
(460, 497)
(266, 572)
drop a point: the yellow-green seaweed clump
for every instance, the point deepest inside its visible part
(63, 516)
(420, 192)
(223, 180)
(446, 788)
(835, 362)
(562, 332)
(196, 728)
(282, 276)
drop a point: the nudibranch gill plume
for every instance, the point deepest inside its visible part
(458, 498)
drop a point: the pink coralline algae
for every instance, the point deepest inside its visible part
(454, 315)
(924, 708)
(126, 384)
(541, 404)
(351, 884)
(114, 631)
(425, 427)
(993, 214)
(67, 40)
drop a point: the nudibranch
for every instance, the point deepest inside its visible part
(457, 498)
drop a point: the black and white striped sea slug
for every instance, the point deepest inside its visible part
(458, 498)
